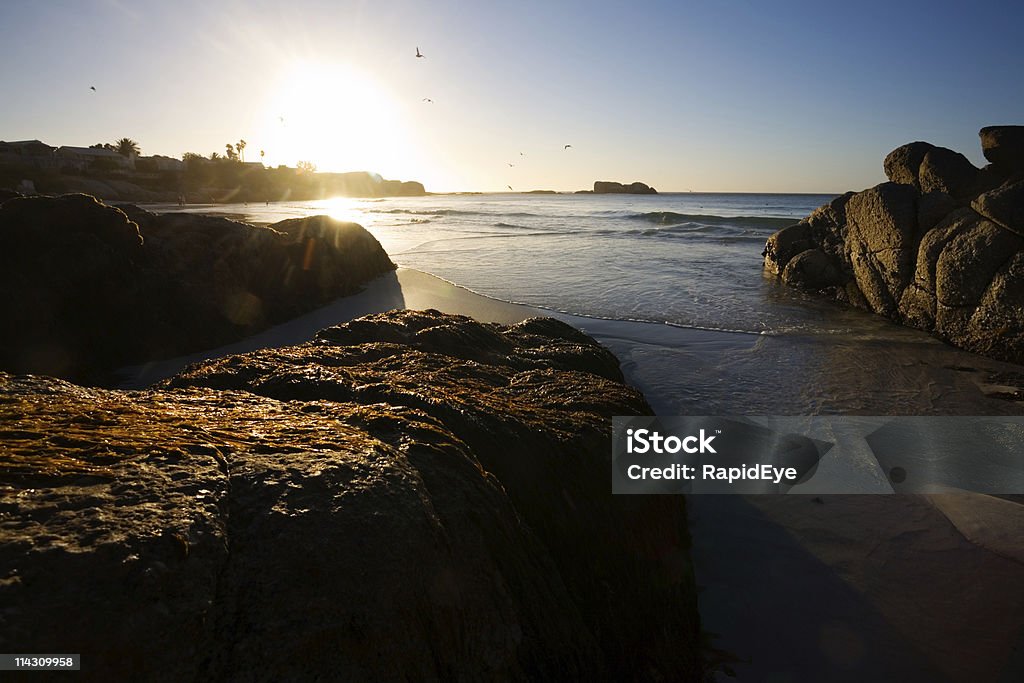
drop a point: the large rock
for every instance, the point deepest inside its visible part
(785, 244)
(93, 288)
(610, 187)
(944, 170)
(1004, 205)
(70, 273)
(812, 269)
(1004, 146)
(881, 242)
(410, 496)
(931, 169)
(903, 164)
(939, 248)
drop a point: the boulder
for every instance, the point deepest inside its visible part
(610, 187)
(99, 287)
(970, 259)
(813, 270)
(943, 170)
(828, 231)
(938, 248)
(1004, 205)
(392, 506)
(881, 242)
(932, 207)
(785, 244)
(1004, 146)
(70, 270)
(903, 164)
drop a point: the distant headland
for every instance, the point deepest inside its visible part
(118, 172)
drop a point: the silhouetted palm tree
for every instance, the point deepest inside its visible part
(126, 147)
(240, 146)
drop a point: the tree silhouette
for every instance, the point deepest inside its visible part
(230, 150)
(126, 147)
(240, 146)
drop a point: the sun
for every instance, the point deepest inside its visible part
(336, 117)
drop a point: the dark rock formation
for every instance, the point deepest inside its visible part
(1004, 147)
(940, 247)
(8, 194)
(411, 496)
(609, 187)
(88, 288)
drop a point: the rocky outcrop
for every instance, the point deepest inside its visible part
(609, 187)
(1004, 147)
(939, 247)
(89, 288)
(410, 496)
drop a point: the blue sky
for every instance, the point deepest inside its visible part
(713, 96)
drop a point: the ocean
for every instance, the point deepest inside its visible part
(673, 284)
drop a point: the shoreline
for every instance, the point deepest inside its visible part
(409, 288)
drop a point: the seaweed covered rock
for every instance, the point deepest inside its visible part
(88, 287)
(936, 248)
(411, 495)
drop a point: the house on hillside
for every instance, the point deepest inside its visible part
(93, 158)
(28, 153)
(159, 162)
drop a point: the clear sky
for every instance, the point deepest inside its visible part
(729, 95)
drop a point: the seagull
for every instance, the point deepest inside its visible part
(281, 119)
(510, 188)
(567, 147)
(92, 87)
(511, 165)
(427, 99)
(521, 154)
(418, 53)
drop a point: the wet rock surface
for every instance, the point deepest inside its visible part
(89, 287)
(939, 247)
(411, 495)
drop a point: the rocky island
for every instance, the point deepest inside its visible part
(610, 187)
(939, 247)
(409, 495)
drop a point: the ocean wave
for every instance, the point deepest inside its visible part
(457, 212)
(534, 229)
(673, 218)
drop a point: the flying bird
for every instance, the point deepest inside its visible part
(511, 165)
(92, 87)
(521, 154)
(427, 99)
(567, 147)
(510, 188)
(418, 53)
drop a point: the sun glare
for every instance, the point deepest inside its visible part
(338, 118)
(344, 209)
